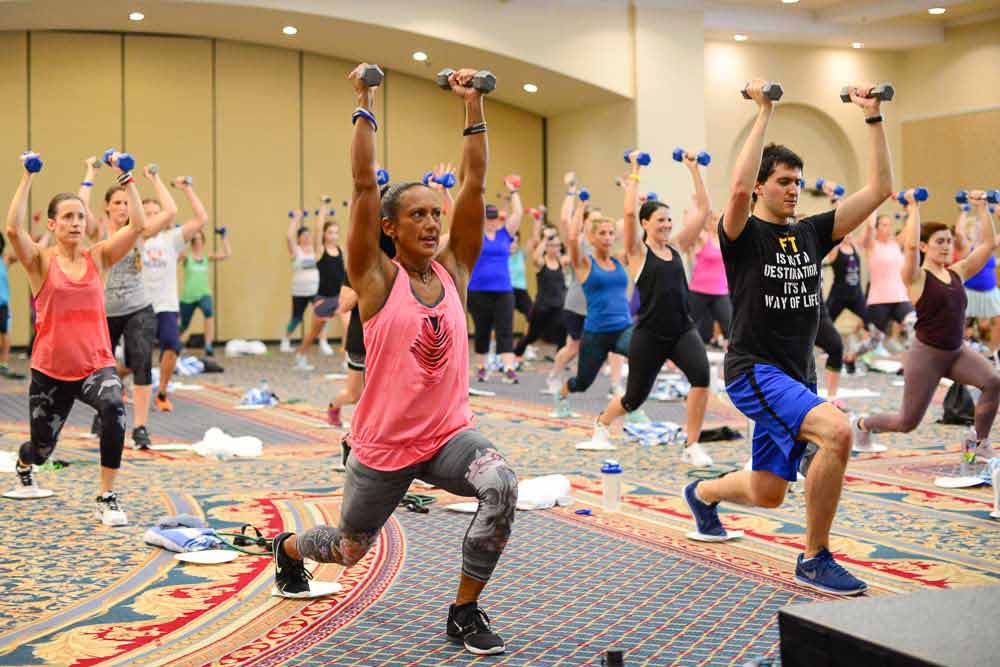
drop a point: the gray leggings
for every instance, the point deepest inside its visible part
(924, 367)
(467, 465)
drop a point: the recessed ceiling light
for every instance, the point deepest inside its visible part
(530, 88)
(419, 56)
(936, 10)
(790, 2)
(136, 16)
(857, 45)
(290, 30)
(740, 38)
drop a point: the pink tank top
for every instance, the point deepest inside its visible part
(416, 395)
(71, 339)
(885, 264)
(709, 274)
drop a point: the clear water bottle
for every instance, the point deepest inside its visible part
(611, 472)
(969, 442)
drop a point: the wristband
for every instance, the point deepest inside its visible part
(478, 128)
(871, 120)
(87, 184)
(125, 178)
(361, 112)
(634, 177)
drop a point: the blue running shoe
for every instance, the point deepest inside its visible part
(825, 574)
(706, 519)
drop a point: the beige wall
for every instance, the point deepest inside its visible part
(14, 140)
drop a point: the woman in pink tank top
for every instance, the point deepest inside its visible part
(413, 419)
(888, 303)
(71, 359)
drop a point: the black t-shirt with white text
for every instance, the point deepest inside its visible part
(774, 282)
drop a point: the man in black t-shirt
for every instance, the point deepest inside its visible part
(773, 268)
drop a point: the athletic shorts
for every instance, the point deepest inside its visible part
(139, 331)
(880, 314)
(188, 307)
(4, 318)
(168, 330)
(777, 404)
(574, 324)
(325, 307)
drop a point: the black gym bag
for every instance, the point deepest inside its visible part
(959, 408)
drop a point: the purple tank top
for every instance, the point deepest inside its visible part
(941, 312)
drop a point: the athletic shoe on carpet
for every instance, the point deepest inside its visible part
(823, 573)
(109, 511)
(469, 625)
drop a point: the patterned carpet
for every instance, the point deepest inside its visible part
(569, 586)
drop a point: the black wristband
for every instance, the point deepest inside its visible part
(478, 128)
(871, 120)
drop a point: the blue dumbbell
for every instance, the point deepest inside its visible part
(584, 194)
(965, 208)
(962, 197)
(652, 196)
(221, 231)
(993, 196)
(32, 163)
(838, 190)
(126, 162)
(702, 158)
(106, 157)
(381, 177)
(448, 180)
(643, 159)
(920, 194)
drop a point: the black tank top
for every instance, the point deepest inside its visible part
(551, 287)
(941, 312)
(846, 271)
(663, 295)
(331, 274)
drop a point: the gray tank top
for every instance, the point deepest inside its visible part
(124, 292)
(576, 302)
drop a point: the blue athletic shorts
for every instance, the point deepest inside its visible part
(777, 404)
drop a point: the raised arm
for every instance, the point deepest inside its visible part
(534, 241)
(694, 217)
(86, 186)
(227, 250)
(747, 165)
(630, 217)
(911, 273)
(868, 233)
(977, 259)
(465, 239)
(115, 247)
(168, 207)
(513, 224)
(318, 225)
(854, 209)
(28, 253)
(200, 219)
(579, 261)
(566, 211)
(292, 233)
(961, 241)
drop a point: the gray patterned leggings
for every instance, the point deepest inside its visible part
(467, 465)
(49, 403)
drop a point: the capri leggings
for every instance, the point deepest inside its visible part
(648, 352)
(299, 305)
(50, 401)
(468, 465)
(188, 307)
(492, 312)
(853, 300)
(522, 301)
(544, 323)
(881, 314)
(139, 332)
(828, 339)
(925, 366)
(707, 309)
(594, 350)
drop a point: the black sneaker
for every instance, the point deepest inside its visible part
(850, 367)
(140, 438)
(469, 625)
(291, 578)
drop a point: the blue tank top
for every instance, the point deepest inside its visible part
(986, 279)
(518, 276)
(607, 299)
(492, 270)
(4, 282)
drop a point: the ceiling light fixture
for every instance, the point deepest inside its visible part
(857, 45)
(290, 30)
(740, 38)
(790, 2)
(936, 10)
(136, 16)
(419, 56)
(530, 88)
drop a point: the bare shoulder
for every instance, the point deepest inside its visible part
(459, 274)
(374, 285)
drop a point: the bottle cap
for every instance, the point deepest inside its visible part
(584, 512)
(611, 467)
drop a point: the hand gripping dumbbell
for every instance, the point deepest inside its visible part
(221, 231)
(372, 76)
(124, 161)
(181, 180)
(326, 199)
(883, 92)
(153, 168)
(381, 177)
(32, 162)
(838, 189)
(94, 162)
(484, 80)
(583, 194)
(772, 90)
(445, 180)
(920, 194)
(702, 158)
(642, 159)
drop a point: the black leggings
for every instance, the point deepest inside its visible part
(299, 305)
(852, 300)
(522, 301)
(492, 312)
(882, 314)
(544, 323)
(827, 339)
(706, 310)
(49, 403)
(648, 352)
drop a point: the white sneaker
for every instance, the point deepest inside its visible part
(864, 441)
(108, 510)
(530, 353)
(26, 487)
(302, 364)
(552, 385)
(325, 348)
(600, 441)
(286, 345)
(985, 451)
(696, 456)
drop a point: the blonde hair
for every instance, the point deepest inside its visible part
(596, 221)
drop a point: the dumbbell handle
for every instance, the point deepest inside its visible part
(484, 81)
(772, 90)
(883, 92)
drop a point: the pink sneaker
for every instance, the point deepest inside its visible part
(333, 416)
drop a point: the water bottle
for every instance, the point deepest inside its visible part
(265, 391)
(612, 471)
(613, 657)
(968, 466)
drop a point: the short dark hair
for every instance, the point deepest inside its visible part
(302, 230)
(649, 207)
(110, 192)
(392, 195)
(775, 154)
(58, 199)
(929, 229)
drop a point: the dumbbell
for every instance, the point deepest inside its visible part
(652, 196)
(838, 190)
(221, 231)
(326, 199)
(446, 180)
(512, 181)
(920, 194)
(643, 159)
(372, 76)
(96, 163)
(583, 194)
(381, 177)
(305, 213)
(125, 161)
(883, 92)
(184, 180)
(153, 168)
(484, 80)
(772, 90)
(703, 158)
(993, 196)
(535, 213)
(965, 208)
(32, 162)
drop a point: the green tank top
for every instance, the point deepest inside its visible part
(195, 280)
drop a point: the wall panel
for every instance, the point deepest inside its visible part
(257, 177)
(13, 140)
